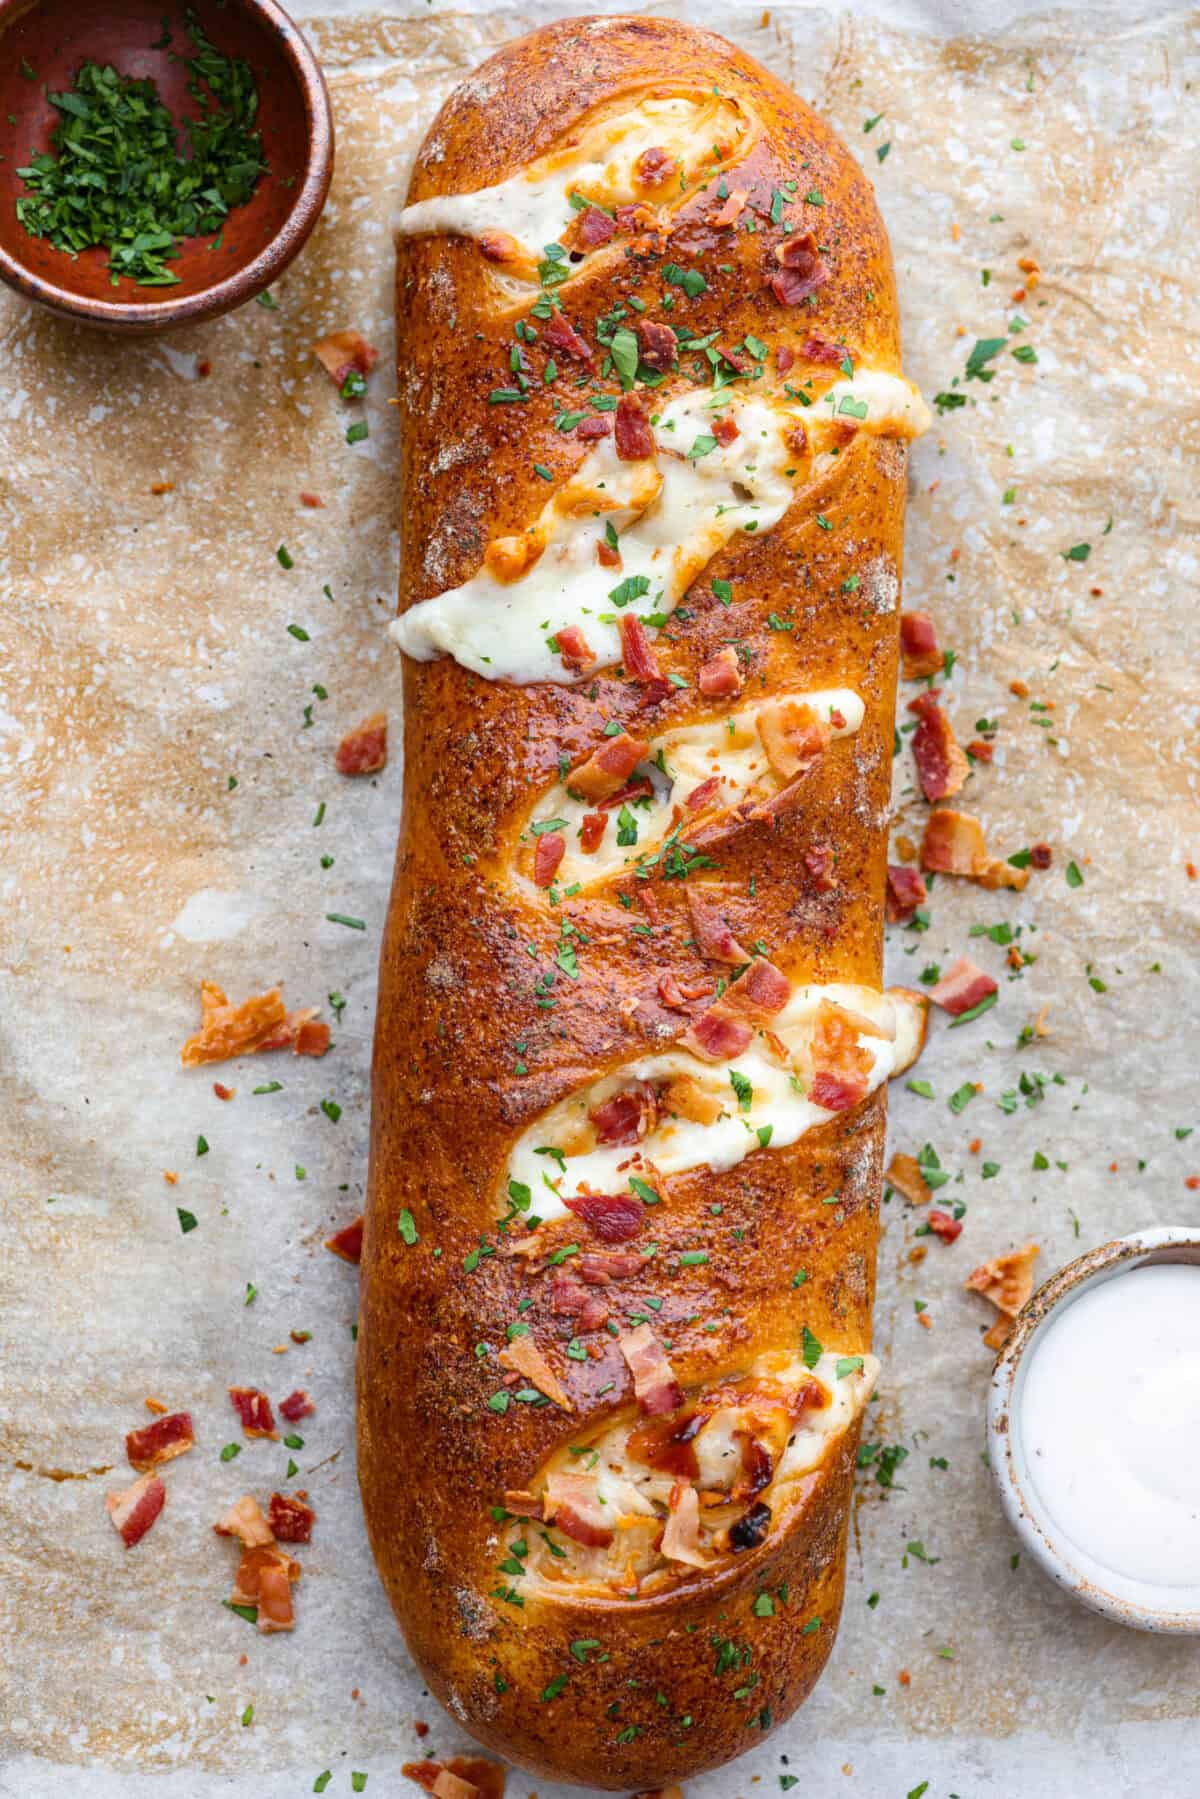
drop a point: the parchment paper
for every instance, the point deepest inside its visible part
(147, 665)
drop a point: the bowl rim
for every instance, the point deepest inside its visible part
(253, 277)
(1140, 1605)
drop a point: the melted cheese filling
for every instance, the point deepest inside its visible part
(672, 514)
(633, 1499)
(702, 135)
(677, 764)
(762, 1094)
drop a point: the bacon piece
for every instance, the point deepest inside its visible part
(595, 227)
(962, 987)
(345, 353)
(841, 1067)
(522, 1504)
(654, 1381)
(793, 736)
(721, 677)
(943, 1226)
(1008, 1282)
(627, 1116)
(364, 750)
(725, 429)
(606, 556)
(244, 1520)
(919, 646)
(635, 439)
(941, 766)
(761, 993)
(731, 210)
(132, 1512)
(254, 1409)
(596, 425)
(591, 831)
(641, 664)
(979, 751)
(499, 246)
(671, 993)
(953, 844)
(613, 1217)
(258, 1023)
(559, 335)
(290, 1519)
(313, 500)
(274, 1600)
(717, 1037)
(801, 272)
(573, 647)
(785, 358)
(714, 938)
(160, 1442)
(603, 1270)
(481, 1779)
(819, 862)
(570, 1298)
(508, 558)
(823, 349)
(572, 1503)
(686, 1098)
(906, 890)
(523, 1356)
(700, 796)
(1041, 855)
(608, 768)
(657, 345)
(550, 849)
(297, 1405)
(654, 166)
(904, 1174)
(347, 1242)
(726, 1028)
(681, 1538)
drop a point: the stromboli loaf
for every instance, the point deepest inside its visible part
(632, 1051)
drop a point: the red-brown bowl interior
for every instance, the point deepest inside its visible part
(54, 37)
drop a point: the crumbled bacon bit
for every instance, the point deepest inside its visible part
(961, 987)
(550, 849)
(297, 1405)
(524, 1357)
(506, 559)
(681, 1538)
(721, 677)
(595, 227)
(941, 766)
(714, 937)
(160, 1442)
(254, 1409)
(607, 769)
(641, 664)
(347, 1242)
(1019, 688)
(657, 344)
(904, 1174)
(171, 1178)
(344, 353)
(980, 751)
(725, 430)
(573, 647)
(793, 736)
(654, 1382)
(312, 500)
(943, 1226)
(954, 844)
(474, 1777)
(559, 335)
(499, 246)
(906, 890)
(160, 487)
(1041, 855)
(258, 1023)
(823, 349)
(290, 1519)
(919, 645)
(222, 1091)
(612, 1217)
(731, 210)
(364, 750)
(801, 273)
(155, 1405)
(654, 166)
(1007, 1281)
(627, 1116)
(634, 438)
(785, 357)
(841, 1067)
(135, 1510)
(595, 426)
(244, 1520)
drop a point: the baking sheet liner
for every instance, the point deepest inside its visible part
(170, 813)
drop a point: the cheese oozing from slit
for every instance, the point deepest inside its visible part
(701, 135)
(741, 1445)
(672, 513)
(678, 764)
(763, 1095)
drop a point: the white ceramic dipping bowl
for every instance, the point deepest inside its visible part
(1137, 1603)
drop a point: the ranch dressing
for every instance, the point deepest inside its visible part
(1110, 1423)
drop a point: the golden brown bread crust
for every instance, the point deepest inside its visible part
(457, 993)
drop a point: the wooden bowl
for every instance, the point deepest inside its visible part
(52, 38)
